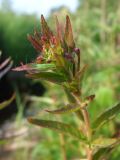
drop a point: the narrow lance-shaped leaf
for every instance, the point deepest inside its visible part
(23, 67)
(69, 108)
(69, 34)
(35, 43)
(58, 126)
(7, 102)
(45, 29)
(49, 76)
(103, 142)
(59, 30)
(106, 115)
(35, 66)
(101, 153)
(42, 67)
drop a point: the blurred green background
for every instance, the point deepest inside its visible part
(96, 26)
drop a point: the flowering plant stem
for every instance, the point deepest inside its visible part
(59, 62)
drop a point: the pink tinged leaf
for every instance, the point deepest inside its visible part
(53, 40)
(49, 76)
(23, 67)
(45, 29)
(69, 34)
(59, 30)
(35, 43)
(37, 35)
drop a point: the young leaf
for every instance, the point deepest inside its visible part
(7, 102)
(106, 115)
(58, 126)
(45, 29)
(35, 66)
(69, 34)
(23, 67)
(59, 30)
(49, 76)
(42, 67)
(35, 43)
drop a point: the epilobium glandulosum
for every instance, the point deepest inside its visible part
(59, 62)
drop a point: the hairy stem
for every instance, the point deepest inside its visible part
(87, 126)
(89, 154)
(88, 131)
(87, 123)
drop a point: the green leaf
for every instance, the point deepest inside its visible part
(69, 108)
(42, 67)
(106, 116)
(69, 34)
(103, 142)
(58, 126)
(7, 102)
(102, 153)
(49, 76)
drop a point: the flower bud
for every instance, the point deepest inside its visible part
(77, 50)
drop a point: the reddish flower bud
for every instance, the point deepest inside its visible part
(77, 50)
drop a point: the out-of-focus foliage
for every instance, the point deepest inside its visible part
(4, 68)
(13, 40)
(7, 102)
